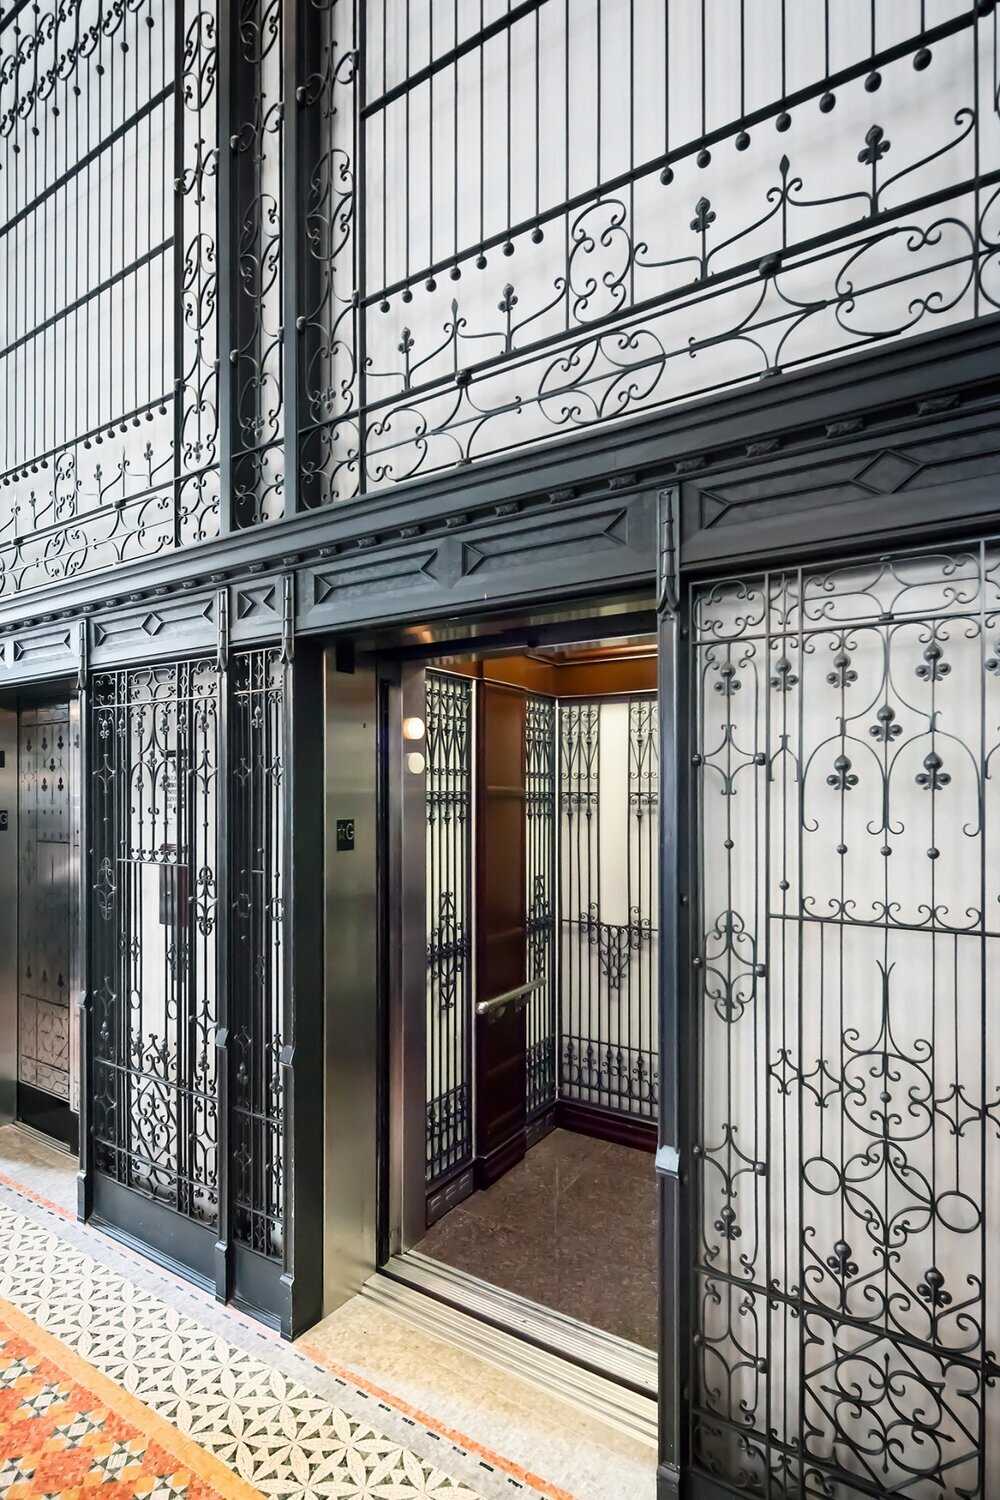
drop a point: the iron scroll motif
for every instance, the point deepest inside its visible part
(449, 708)
(609, 1047)
(413, 274)
(257, 949)
(679, 264)
(108, 378)
(615, 941)
(154, 1108)
(540, 885)
(846, 1124)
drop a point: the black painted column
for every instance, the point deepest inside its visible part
(673, 1280)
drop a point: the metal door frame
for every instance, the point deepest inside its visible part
(71, 692)
(614, 1388)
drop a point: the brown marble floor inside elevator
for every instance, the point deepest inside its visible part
(572, 1227)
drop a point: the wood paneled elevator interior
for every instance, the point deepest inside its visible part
(540, 850)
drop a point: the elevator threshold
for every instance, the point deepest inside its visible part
(609, 1378)
(52, 1141)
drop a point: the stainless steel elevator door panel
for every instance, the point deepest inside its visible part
(45, 898)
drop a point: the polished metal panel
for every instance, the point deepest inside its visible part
(408, 1003)
(45, 938)
(351, 962)
(75, 878)
(8, 914)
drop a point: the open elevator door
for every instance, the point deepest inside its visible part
(523, 983)
(528, 859)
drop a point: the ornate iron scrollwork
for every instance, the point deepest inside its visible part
(844, 1195)
(448, 969)
(609, 1052)
(154, 1105)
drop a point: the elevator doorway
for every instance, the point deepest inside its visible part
(41, 824)
(530, 872)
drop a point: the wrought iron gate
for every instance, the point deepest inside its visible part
(163, 783)
(154, 1106)
(449, 912)
(844, 1132)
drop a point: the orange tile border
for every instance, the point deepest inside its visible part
(190, 1455)
(27, 1192)
(317, 1355)
(460, 1439)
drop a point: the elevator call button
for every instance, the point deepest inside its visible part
(345, 835)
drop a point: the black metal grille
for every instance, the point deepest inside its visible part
(418, 234)
(555, 214)
(257, 139)
(609, 1052)
(845, 1142)
(449, 703)
(153, 787)
(256, 956)
(108, 405)
(540, 812)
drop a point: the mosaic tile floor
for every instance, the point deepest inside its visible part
(265, 1430)
(487, 1434)
(65, 1430)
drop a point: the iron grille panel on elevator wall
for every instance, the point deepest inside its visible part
(449, 707)
(846, 1149)
(257, 948)
(540, 885)
(48, 843)
(608, 900)
(156, 1090)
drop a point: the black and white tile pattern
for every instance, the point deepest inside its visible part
(247, 1408)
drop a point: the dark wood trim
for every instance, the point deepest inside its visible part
(448, 1192)
(605, 1125)
(492, 1165)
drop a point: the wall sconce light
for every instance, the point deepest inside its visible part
(415, 763)
(413, 729)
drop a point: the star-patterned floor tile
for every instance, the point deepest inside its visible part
(262, 1426)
